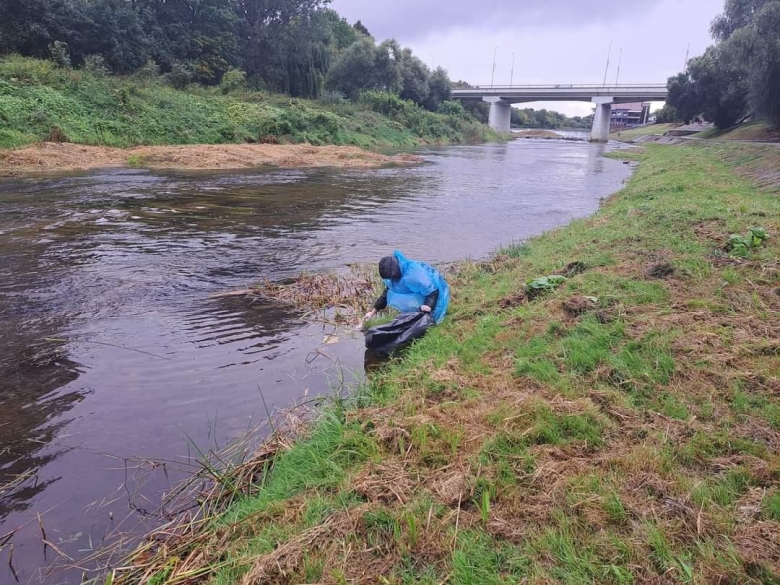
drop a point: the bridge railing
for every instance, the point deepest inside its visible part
(565, 86)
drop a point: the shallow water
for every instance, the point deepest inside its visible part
(111, 348)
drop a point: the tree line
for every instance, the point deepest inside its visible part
(530, 118)
(738, 76)
(298, 47)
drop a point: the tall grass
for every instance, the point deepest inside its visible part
(40, 101)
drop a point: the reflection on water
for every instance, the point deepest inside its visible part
(111, 347)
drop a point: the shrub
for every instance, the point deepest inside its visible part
(149, 72)
(384, 102)
(96, 65)
(233, 80)
(331, 98)
(60, 53)
(181, 75)
(25, 69)
(452, 108)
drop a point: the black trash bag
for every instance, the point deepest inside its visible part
(405, 328)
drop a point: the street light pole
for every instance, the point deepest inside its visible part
(609, 54)
(493, 75)
(512, 74)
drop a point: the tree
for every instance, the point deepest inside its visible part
(342, 34)
(361, 28)
(290, 46)
(480, 110)
(414, 78)
(113, 30)
(667, 115)
(23, 28)
(720, 88)
(440, 89)
(749, 31)
(365, 66)
(683, 97)
(285, 43)
(712, 88)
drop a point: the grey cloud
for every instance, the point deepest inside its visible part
(413, 19)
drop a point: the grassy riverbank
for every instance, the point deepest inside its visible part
(751, 131)
(40, 101)
(622, 428)
(640, 131)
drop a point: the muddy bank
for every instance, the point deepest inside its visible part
(49, 156)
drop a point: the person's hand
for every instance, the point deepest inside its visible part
(425, 309)
(368, 316)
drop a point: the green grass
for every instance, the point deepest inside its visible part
(521, 440)
(757, 131)
(640, 131)
(39, 100)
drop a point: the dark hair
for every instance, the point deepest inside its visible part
(389, 268)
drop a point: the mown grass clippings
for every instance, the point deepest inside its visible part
(629, 436)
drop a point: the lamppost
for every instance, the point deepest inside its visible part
(493, 75)
(512, 74)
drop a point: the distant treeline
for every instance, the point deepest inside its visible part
(528, 117)
(736, 77)
(298, 47)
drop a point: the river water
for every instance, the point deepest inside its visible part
(112, 349)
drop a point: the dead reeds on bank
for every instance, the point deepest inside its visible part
(349, 293)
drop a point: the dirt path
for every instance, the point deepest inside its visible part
(47, 157)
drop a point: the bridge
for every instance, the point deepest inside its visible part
(501, 99)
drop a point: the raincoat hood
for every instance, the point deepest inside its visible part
(417, 281)
(390, 268)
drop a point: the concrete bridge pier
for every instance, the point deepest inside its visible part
(500, 118)
(601, 119)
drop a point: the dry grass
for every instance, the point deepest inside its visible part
(351, 292)
(51, 156)
(544, 134)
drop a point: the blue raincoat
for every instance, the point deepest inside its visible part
(418, 280)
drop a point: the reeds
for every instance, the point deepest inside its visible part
(188, 547)
(351, 292)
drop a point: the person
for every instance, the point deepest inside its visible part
(411, 287)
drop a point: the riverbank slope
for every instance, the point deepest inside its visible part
(40, 102)
(618, 425)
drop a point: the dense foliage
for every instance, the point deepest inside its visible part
(530, 118)
(40, 100)
(298, 47)
(740, 74)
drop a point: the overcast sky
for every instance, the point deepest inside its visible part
(554, 41)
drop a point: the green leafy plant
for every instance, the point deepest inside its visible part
(538, 286)
(740, 246)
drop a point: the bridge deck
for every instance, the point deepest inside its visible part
(565, 92)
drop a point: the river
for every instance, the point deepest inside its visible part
(112, 348)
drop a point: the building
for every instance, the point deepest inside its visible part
(629, 115)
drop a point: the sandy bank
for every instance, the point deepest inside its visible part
(49, 156)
